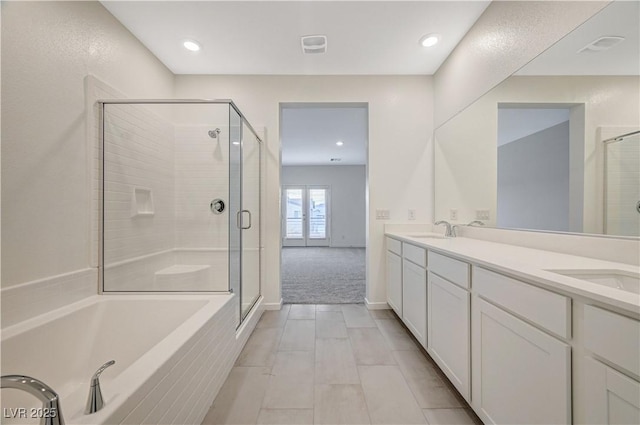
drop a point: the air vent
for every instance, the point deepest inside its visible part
(312, 44)
(336, 159)
(602, 43)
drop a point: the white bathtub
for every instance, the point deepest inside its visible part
(172, 355)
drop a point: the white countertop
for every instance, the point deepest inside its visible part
(532, 265)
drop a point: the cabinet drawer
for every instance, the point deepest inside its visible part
(394, 245)
(454, 271)
(547, 309)
(414, 254)
(613, 337)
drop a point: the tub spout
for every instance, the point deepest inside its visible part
(51, 413)
(95, 401)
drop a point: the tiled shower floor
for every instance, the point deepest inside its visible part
(332, 364)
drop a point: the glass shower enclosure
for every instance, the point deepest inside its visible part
(179, 199)
(622, 185)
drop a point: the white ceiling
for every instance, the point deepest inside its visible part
(620, 18)
(309, 134)
(263, 37)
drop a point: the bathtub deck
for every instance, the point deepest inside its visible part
(335, 364)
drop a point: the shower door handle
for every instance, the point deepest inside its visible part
(239, 221)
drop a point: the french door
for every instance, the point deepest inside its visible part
(305, 216)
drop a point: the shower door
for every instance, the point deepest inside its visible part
(244, 207)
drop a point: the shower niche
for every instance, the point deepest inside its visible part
(161, 163)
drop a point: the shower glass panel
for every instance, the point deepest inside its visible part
(250, 219)
(235, 204)
(179, 192)
(622, 187)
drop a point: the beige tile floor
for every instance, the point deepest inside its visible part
(335, 364)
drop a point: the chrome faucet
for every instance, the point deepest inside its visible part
(51, 413)
(478, 222)
(447, 232)
(95, 401)
(455, 226)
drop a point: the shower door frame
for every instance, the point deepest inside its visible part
(101, 173)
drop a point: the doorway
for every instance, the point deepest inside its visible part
(324, 202)
(306, 215)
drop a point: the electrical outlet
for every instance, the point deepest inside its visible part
(453, 214)
(412, 214)
(482, 215)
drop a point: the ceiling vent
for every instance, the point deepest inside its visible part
(602, 43)
(313, 44)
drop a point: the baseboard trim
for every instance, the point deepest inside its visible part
(273, 306)
(376, 306)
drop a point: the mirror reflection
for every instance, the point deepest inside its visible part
(555, 146)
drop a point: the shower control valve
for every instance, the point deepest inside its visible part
(217, 206)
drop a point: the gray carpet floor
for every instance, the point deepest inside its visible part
(323, 275)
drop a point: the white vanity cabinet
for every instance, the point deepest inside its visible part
(407, 285)
(414, 298)
(449, 324)
(611, 397)
(521, 374)
(394, 275)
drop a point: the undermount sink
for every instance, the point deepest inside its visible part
(625, 281)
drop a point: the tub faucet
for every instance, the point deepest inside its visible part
(95, 401)
(51, 413)
(447, 233)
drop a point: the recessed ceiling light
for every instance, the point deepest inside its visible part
(191, 45)
(339, 143)
(429, 40)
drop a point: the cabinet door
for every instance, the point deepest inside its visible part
(521, 375)
(414, 300)
(449, 331)
(611, 397)
(394, 282)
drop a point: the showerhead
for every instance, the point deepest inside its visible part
(214, 133)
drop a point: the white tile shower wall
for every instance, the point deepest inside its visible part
(216, 258)
(138, 273)
(138, 153)
(201, 175)
(34, 298)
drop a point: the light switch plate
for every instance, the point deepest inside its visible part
(482, 215)
(382, 214)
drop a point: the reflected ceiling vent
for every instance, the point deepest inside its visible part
(602, 43)
(312, 44)
(336, 159)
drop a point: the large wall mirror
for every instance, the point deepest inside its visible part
(554, 147)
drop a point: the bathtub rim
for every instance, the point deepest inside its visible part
(142, 370)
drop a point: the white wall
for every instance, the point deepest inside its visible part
(347, 200)
(507, 36)
(399, 158)
(533, 181)
(48, 48)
